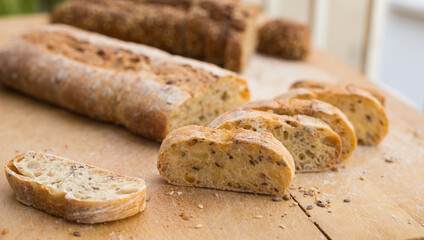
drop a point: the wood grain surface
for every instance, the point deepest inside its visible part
(385, 184)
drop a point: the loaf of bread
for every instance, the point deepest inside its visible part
(239, 160)
(148, 91)
(365, 112)
(72, 190)
(313, 108)
(326, 85)
(285, 38)
(221, 32)
(313, 145)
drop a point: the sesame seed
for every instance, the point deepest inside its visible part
(277, 199)
(179, 193)
(258, 216)
(309, 207)
(346, 200)
(320, 204)
(198, 226)
(77, 234)
(282, 226)
(295, 203)
(170, 193)
(200, 206)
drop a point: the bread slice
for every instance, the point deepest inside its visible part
(313, 108)
(365, 112)
(326, 85)
(72, 190)
(239, 160)
(313, 145)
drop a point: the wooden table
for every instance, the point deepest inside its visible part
(387, 204)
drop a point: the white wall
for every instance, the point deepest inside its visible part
(402, 52)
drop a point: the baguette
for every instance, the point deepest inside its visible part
(365, 112)
(326, 85)
(313, 145)
(317, 109)
(148, 91)
(238, 160)
(72, 190)
(285, 38)
(220, 32)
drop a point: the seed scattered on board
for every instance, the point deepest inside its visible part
(282, 226)
(309, 207)
(362, 178)
(200, 206)
(198, 226)
(258, 216)
(277, 199)
(346, 200)
(170, 193)
(77, 234)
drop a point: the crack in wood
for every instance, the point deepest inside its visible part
(307, 214)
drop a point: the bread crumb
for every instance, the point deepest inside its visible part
(295, 204)
(198, 226)
(361, 178)
(282, 226)
(216, 195)
(184, 216)
(200, 206)
(330, 211)
(5, 231)
(258, 216)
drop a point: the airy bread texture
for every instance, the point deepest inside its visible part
(285, 38)
(239, 160)
(313, 108)
(309, 83)
(365, 112)
(220, 32)
(72, 190)
(147, 90)
(313, 145)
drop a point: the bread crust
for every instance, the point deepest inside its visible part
(34, 193)
(223, 137)
(202, 29)
(138, 101)
(309, 83)
(313, 108)
(367, 131)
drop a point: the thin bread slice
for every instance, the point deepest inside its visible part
(313, 145)
(313, 108)
(326, 85)
(365, 112)
(239, 160)
(72, 190)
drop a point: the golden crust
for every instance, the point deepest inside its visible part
(33, 193)
(313, 108)
(225, 137)
(349, 87)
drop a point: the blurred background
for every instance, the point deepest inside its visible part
(384, 39)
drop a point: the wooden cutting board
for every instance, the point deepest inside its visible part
(388, 203)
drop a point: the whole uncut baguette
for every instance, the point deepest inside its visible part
(72, 190)
(237, 160)
(365, 112)
(313, 145)
(326, 85)
(285, 38)
(147, 90)
(220, 32)
(313, 108)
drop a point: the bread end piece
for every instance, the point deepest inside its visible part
(239, 160)
(285, 38)
(72, 190)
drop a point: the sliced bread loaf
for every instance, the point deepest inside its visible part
(239, 160)
(72, 190)
(313, 145)
(365, 112)
(326, 85)
(313, 108)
